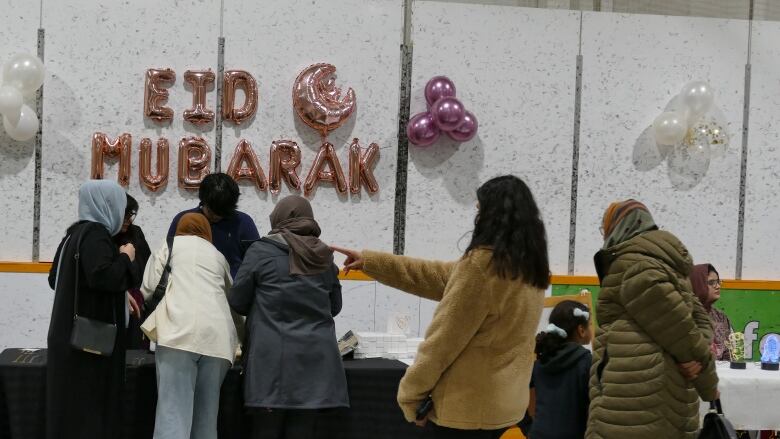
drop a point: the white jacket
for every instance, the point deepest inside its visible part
(194, 315)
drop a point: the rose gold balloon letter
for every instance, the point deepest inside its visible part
(103, 147)
(194, 158)
(200, 81)
(252, 171)
(153, 182)
(285, 159)
(155, 94)
(361, 165)
(234, 80)
(326, 156)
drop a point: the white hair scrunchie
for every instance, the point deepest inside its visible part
(580, 313)
(553, 329)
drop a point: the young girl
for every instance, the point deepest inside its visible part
(561, 373)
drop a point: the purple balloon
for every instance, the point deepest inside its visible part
(438, 87)
(448, 113)
(466, 130)
(421, 129)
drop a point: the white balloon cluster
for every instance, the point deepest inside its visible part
(686, 124)
(22, 76)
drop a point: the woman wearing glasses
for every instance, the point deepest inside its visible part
(706, 285)
(132, 234)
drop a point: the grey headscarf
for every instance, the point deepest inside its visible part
(293, 219)
(104, 202)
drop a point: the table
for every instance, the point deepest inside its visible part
(372, 383)
(748, 397)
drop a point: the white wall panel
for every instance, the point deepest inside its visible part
(763, 178)
(18, 34)
(97, 55)
(521, 89)
(633, 66)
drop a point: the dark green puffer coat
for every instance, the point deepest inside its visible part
(649, 320)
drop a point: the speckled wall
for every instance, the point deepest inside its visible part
(96, 58)
(762, 219)
(26, 307)
(364, 47)
(18, 31)
(515, 68)
(633, 66)
(521, 90)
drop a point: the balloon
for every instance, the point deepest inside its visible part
(438, 87)
(448, 113)
(466, 130)
(688, 164)
(670, 128)
(709, 132)
(25, 125)
(317, 100)
(252, 171)
(24, 72)
(103, 147)
(421, 130)
(285, 158)
(697, 98)
(326, 156)
(234, 80)
(194, 158)
(155, 94)
(361, 163)
(11, 101)
(200, 80)
(153, 182)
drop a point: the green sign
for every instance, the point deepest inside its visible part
(755, 313)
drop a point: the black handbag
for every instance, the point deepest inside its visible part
(715, 425)
(90, 335)
(159, 291)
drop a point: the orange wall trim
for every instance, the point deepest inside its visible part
(770, 285)
(25, 267)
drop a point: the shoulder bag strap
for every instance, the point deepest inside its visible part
(163, 284)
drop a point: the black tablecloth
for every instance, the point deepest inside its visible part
(373, 385)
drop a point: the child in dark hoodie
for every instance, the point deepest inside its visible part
(561, 373)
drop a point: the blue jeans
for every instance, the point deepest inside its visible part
(187, 394)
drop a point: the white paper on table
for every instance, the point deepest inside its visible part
(407, 361)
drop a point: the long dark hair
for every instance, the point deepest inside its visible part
(509, 222)
(562, 316)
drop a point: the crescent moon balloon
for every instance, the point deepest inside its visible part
(318, 101)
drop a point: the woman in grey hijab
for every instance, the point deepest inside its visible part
(288, 288)
(84, 390)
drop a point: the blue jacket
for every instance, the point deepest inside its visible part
(231, 236)
(562, 394)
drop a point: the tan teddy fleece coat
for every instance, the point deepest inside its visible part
(477, 356)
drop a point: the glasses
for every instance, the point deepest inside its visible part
(714, 282)
(130, 216)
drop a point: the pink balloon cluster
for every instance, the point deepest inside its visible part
(445, 113)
